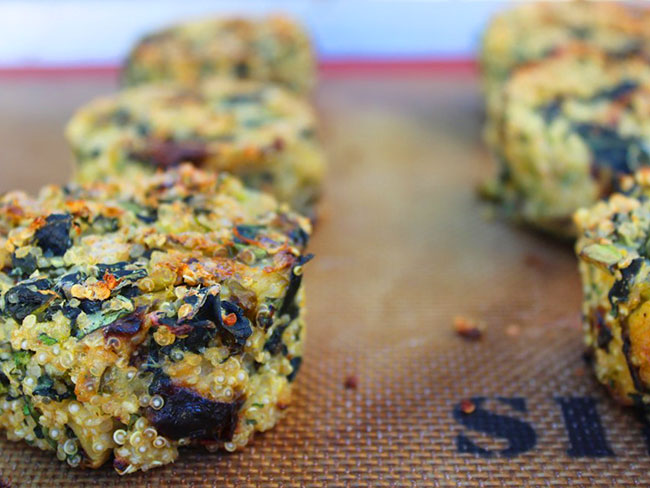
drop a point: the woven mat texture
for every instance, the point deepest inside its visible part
(402, 248)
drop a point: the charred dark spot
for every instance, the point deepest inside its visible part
(621, 288)
(26, 298)
(295, 364)
(186, 414)
(54, 236)
(294, 283)
(126, 326)
(168, 153)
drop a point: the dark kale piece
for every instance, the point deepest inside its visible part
(90, 306)
(247, 233)
(71, 313)
(66, 281)
(122, 270)
(294, 283)
(307, 133)
(130, 291)
(295, 364)
(45, 387)
(241, 329)
(145, 214)
(551, 110)
(186, 414)
(242, 70)
(121, 117)
(24, 266)
(46, 339)
(580, 32)
(143, 129)
(105, 224)
(241, 98)
(621, 288)
(631, 48)
(275, 345)
(613, 151)
(265, 320)
(604, 333)
(26, 298)
(199, 327)
(54, 236)
(126, 326)
(299, 237)
(169, 153)
(619, 91)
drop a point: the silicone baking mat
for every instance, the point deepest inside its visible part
(403, 247)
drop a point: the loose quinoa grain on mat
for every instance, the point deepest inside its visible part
(613, 249)
(260, 132)
(570, 126)
(275, 49)
(139, 318)
(533, 31)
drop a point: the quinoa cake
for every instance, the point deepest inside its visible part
(534, 31)
(275, 49)
(259, 132)
(571, 125)
(614, 265)
(139, 318)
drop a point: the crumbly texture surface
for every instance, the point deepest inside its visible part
(275, 49)
(613, 250)
(260, 132)
(533, 31)
(136, 319)
(570, 126)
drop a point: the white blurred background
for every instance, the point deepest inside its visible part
(86, 33)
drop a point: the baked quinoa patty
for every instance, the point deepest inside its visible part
(534, 31)
(274, 49)
(260, 132)
(614, 252)
(571, 125)
(139, 318)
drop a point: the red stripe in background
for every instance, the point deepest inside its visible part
(328, 68)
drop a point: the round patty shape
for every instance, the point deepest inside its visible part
(275, 49)
(613, 251)
(259, 132)
(534, 31)
(571, 125)
(139, 317)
